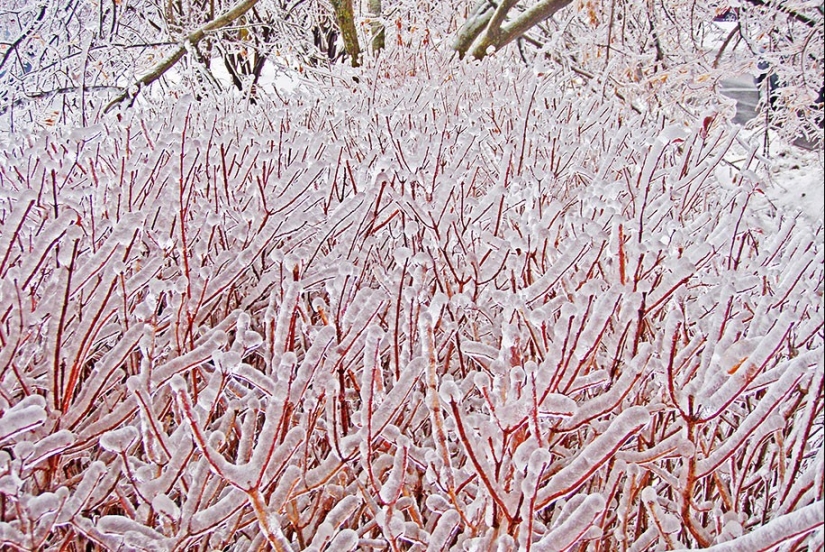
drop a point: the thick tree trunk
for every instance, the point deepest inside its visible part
(346, 22)
(487, 29)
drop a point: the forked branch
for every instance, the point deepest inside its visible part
(192, 39)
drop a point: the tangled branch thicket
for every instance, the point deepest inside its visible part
(467, 309)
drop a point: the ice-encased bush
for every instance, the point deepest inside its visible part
(462, 309)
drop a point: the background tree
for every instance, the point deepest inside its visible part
(490, 27)
(61, 60)
(665, 57)
(346, 23)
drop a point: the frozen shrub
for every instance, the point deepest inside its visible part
(443, 312)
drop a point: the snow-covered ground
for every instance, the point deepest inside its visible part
(797, 181)
(796, 173)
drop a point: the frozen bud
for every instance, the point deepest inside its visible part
(216, 440)
(437, 503)
(450, 392)
(396, 526)
(5, 460)
(243, 321)
(498, 368)
(118, 440)
(289, 359)
(556, 404)
(649, 495)
(347, 539)
(252, 403)
(410, 228)
(482, 380)
(252, 339)
(10, 484)
(686, 448)
(276, 255)
(178, 384)
(23, 449)
(166, 506)
(523, 453)
(40, 505)
(349, 444)
(539, 458)
(404, 502)
(318, 304)
(181, 284)
(375, 332)
(401, 254)
(226, 362)
(145, 473)
(392, 433)
(334, 491)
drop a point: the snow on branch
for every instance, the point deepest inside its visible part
(171, 59)
(351, 321)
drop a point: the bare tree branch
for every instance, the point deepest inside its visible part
(486, 27)
(476, 22)
(801, 18)
(28, 32)
(193, 38)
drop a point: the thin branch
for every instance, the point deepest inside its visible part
(804, 19)
(193, 38)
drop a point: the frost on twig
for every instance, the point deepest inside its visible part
(227, 332)
(189, 40)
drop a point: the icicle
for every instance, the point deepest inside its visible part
(780, 530)
(23, 416)
(121, 525)
(391, 489)
(605, 402)
(201, 353)
(400, 392)
(766, 405)
(443, 531)
(741, 362)
(283, 323)
(594, 455)
(288, 480)
(574, 525)
(667, 524)
(48, 446)
(433, 402)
